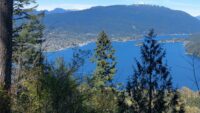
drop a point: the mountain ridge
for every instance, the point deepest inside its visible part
(121, 20)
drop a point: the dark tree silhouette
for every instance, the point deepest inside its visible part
(151, 84)
(6, 12)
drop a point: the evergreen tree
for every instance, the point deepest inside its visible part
(28, 33)
(105, 61)
(151, 84)
(102, 97)
(60, 88)
(27, 57)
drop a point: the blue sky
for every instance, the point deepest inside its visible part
(190, 6)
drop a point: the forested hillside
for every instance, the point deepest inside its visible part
(120, 20)
(192, 45)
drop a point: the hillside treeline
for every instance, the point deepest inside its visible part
(192, 45)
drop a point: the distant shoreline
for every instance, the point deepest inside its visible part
(172, 40)
(84, 44)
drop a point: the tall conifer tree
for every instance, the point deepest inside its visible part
(28, 31)
(151, 84)
(100, 87)
(105, 60)
(27, 57)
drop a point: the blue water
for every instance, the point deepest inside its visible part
(126, 52)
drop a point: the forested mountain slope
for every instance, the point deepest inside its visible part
(120, 20)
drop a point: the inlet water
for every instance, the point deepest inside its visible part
(126, 53)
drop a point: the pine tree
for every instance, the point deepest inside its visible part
(27, 41)
(102, 95)
(105, 60)
(151, 84)
(27, 57)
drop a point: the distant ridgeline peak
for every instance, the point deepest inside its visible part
(119, 21)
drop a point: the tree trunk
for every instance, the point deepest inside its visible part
(6, 12)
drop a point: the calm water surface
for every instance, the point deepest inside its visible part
(126, 52)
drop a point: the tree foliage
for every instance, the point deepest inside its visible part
(99, 89)
(105, 60)
(151, 84)
(27, 57)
